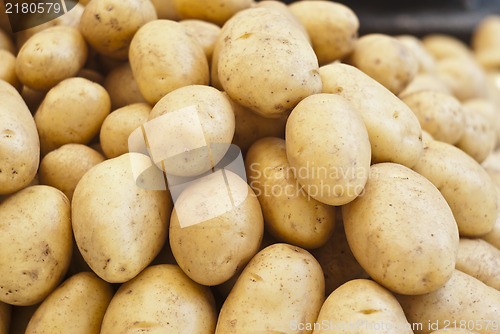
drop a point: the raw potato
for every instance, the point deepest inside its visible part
(164, 57)
(290, 215)
(118, 126)
(486, 43)
(5, 317)
(161, 299)
(216, 11)
(165, 9)
(91, 75)
(386, 60)
(393, 129)
(332, 27)
(109, 25)
(19, 141)
(8, 69)
(425, 82)
(122, 87)
(71, 112)
(490, 110)
(32, 98)
(77, 306)
(426, 62)
(440, 114)
(50, 56)
(493, 237)
(206, 34)
(492, 166)
(465, 185)
(328, 149)
(266, 67)
(282, 283)
(444, 46)
(408, 248)
(216, 227)
(65, 166)
(463, 299)
(119, 227)
(481, 260)
(364, 303)
(35, 240)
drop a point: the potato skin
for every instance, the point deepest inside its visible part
(36, 241)
(19, 141)
(164, 299)
(479, 137)
(493, 237)
(206, 34)
(122, 87)
(215, 11)
(479, 259)
(76, 306)
(5, 317)
(426, 62)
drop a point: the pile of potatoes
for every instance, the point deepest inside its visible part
(371, 197)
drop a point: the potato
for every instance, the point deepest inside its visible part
(425, 82)
(282, 283)
(492, 166)
(35, 240)
(440, 114)
(161, 299)
(364, 303)
(165, 9)
(71, 112)
(91, 75)
(76, 306)
(266, 67)
(328, 149)
(5, 317)
(119, 227)
(333, 28)
(486, 43)
(465, 185)
(386, 60)
(164, 57)
(206, 34)
(65, 166)
(493, 237)
(445, 46)
(51, 56)
(290, 214)
(489, 109)
(6, 42)
(19, 142)
(423, 257)
(215, 11)
(122, 87)
(463, 300)
(118, 126)
(8, 69)
(109, 25)
(426, 62)
(32, 98)
(393, 129)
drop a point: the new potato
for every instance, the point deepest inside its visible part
(216, 11)
(122, 87)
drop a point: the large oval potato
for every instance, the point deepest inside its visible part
(161, 299)
(402, 231)
(76, 306)
(282, 283)
(36, 243)
(216, 11)
(479, 259)
(5, 317)
(19, 143)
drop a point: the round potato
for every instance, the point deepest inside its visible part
(5, 315)
(486, 43)
(426, 62)
(479, 259)
(71, 112)
(165, 9)
(76, 306)
(162, 298)
(206, 34)
(64, 167)
(8, 68)
(109, 25)
(328, 149)
(216, 11)
(489, 109)
(50, 56)
(122, 87)
(445, 46)
(35, 240)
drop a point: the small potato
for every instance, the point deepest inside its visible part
(206, 34)
(77, 306)
(118, 126)
(290, 214)
(425, 82)
(19, 143)
(439, 114)
(161, 299)
(215, 11)
(386, 60)
(35, 240)
(71, 112)
(332, 27)
(91, 75)
(6, 42)
(463, 299)
(109, 25)
(328, 149)
(5, 317)
(445, 46)
(393, 129)
(51, 56)
(282, 283)
(164, 57)
(363, 301)
(481, 260)
(492, 166)
(165, 9)
(8, 69)
(122, 87)
(64, 167)
(426, 62)
(489, 109)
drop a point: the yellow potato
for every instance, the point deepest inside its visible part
(426, 61)
(206, 34)
(91, 75)
(425, 82)
(8, 69)
(492, 166)
(161, 299)
(481, 260)
(282, 283)
(65, 166)
(35, 240)
(51, 56)
(445, 46)
(71, 112)
(109, 25)
(165, 9)
(215, 11)
(486, 43)
(5, 317)
(6, 42)
(393, 129)
(328, 149)
(19, 143)
(76, 306)
(489, 109)
(290, 215)
(122, 87)
(164, 57)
